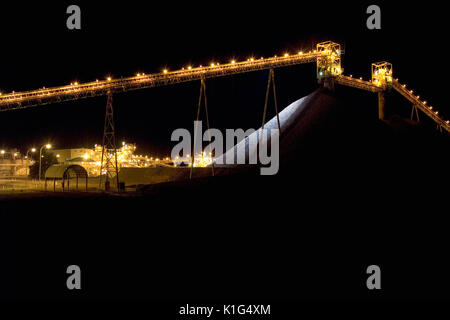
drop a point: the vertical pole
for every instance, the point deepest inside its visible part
(40, 163)
(270, 81)
(275, 100)
(381, 106)
(101, 165)
(116, 167)
(195, 128)
(265, 105)
(415, 111)
(207, 121)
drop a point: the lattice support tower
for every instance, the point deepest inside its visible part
(109, 169)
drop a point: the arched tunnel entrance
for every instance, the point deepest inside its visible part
(66, 173)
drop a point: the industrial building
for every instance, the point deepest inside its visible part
(90, 159)
(13, 164)
(63, 155)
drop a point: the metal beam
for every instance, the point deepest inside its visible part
(20, 100)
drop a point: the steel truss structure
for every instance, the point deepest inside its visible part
(422, 106)
(357, 83)
(20, 100)
(327, 57)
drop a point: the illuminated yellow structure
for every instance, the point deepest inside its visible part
(68, 154)
(202, 160)
(382, 74)
(328, 60)
(382, 77)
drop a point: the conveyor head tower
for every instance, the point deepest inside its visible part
(382, 74)
(328, 60)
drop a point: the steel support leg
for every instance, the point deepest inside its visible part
(415, 111)
(202, 95)
(270, 81)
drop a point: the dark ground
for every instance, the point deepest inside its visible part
(354, 192)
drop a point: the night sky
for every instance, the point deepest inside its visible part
(123, 38)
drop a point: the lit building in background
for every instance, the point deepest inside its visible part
(91, 159)
(13, 163)
(64, 155)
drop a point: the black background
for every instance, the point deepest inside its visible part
(397, 226)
